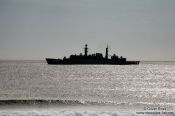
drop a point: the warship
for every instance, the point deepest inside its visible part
(96, 59)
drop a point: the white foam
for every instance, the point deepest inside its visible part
(63, 113)
(75, 113)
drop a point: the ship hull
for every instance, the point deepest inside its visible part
(52, 61)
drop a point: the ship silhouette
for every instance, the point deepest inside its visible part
(95, 59)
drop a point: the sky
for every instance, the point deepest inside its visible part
(135, 29)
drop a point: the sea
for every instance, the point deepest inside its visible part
(34, 88)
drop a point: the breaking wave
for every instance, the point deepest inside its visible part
(75, 102)
(35, 102)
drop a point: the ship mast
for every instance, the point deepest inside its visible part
(85, 50)
(106, 56)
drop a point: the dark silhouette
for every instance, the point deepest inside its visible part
(96, 58)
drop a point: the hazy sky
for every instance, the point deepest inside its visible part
(135, 29)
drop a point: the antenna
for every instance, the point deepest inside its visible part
(106, 55)
(85, 50)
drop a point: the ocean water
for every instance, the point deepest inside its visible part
(30, 88)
